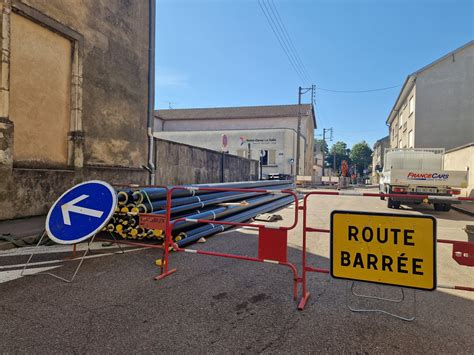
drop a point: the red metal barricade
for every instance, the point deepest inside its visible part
(463, 252)
(272, 240)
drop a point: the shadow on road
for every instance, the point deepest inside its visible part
(216, 305)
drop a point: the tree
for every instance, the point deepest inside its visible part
(361, 155)
(340, 152)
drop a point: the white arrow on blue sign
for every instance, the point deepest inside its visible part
(81, 212)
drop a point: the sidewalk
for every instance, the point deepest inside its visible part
(23, 228)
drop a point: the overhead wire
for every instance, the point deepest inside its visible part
(289, 41)
(280, 31)
(358, 91)
(280, 38)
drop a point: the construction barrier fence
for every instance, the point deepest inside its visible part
(462, 253)
(272, 240)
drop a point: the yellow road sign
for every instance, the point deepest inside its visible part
(384, 248)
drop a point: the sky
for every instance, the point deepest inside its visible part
(223, 53)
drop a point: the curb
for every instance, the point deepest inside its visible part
(462, 210)
(4, 245)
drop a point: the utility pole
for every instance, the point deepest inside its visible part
(301, 91)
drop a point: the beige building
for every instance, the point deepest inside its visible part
(318, 160)
(249, 132)
(378, 156)
(435, 107)
(73, 98)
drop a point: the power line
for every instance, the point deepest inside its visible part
(285, 39)
(289, 40)
(358, 91)
(280, 38)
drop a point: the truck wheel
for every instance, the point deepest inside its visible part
(393, 204)
(447, 207)
(439, 206)
(382, 197)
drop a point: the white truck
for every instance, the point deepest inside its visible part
(419, 171)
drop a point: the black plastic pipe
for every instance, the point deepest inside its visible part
(153, 194)
(195, 234)
(221, 212)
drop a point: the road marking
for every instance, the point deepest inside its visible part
(64, 260)
(53, 249)
(11, 275)
(71, 207)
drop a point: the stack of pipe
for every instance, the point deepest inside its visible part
(195, 204)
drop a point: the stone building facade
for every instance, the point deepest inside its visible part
(73, 97)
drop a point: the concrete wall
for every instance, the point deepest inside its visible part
(178, 164)
(462, 158)
(445, 102)
(105, 134)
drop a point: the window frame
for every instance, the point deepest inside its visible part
(411, 106)
(411, 139)
(75, 136)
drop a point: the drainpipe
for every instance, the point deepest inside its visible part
(151, 92)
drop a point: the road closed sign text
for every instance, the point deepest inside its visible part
(384, 248)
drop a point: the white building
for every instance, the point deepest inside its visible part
(435, 107)
(247, 132)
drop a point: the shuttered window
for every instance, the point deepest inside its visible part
(271, 157)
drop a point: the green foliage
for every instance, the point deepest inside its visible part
(340, 152)
(361, 154)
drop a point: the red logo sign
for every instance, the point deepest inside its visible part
(152, 221)
(224, 142)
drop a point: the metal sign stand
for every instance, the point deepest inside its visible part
(350, 287)
(81, 259)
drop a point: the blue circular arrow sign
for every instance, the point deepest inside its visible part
(81, 212)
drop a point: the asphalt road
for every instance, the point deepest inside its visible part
(217, 305)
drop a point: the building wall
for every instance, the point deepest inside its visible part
(280, 142)
(39, 59)
(378, 156)
(404, 123)
(231, 124)
(88, 124)
(445, 102)
(178, 164)
(112, 38)
(309, 147)
(462, 158)
(248, 124)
